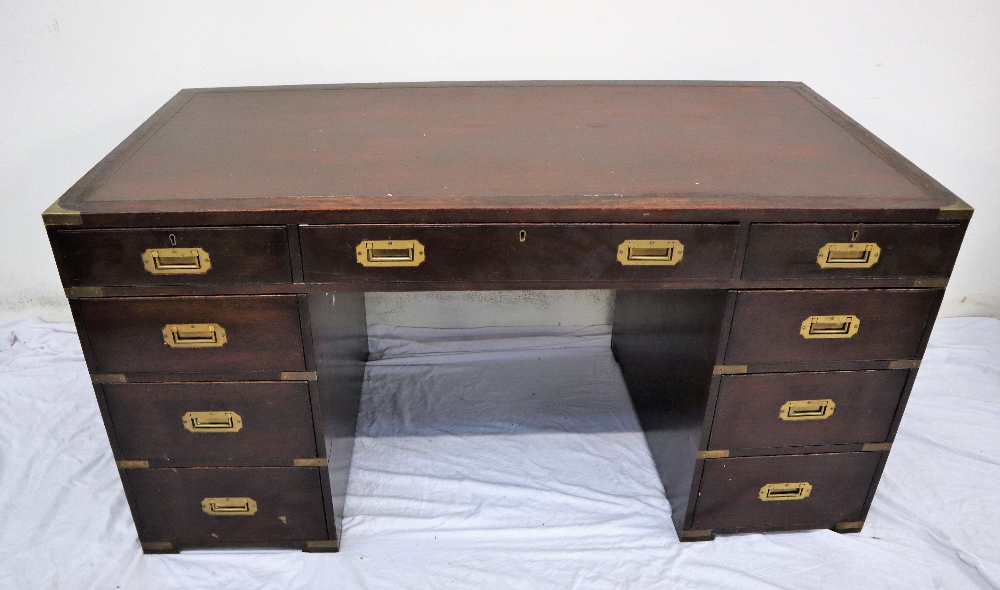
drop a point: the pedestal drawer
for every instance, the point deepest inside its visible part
(792, 491)
(792, 409)
(528, 252)
(829, 325)
(211, 422)
(174, 256)
(194, 334)
(215, 505)
(842, 250)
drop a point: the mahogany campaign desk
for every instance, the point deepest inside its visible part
(777, 272)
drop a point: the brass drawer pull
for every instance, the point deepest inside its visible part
(194, 335)
(176, 261)
(848, 255)
(830, 326)
(229, 506)
(212, 421)
(390, 253)
(807, 409)
(650, 252)
(774, 492)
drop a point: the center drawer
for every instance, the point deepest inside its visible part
(507, 252)
(205, 422)
(194, 334)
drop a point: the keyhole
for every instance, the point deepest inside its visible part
(854, 236)
(522, 236)
(173, 239)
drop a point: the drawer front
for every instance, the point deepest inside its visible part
(792, 409)
(768, 326)
(541, 252)
(785, 251)
(148, 257)
(212, 421)
(129, 334)
(287, 504)
(730, 494)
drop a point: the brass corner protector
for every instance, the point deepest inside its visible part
(719, 454)
(957, 210)
(298, 375)
(852, 526)
(107, 378)
(57, 215)
(132, 464)
(322, 546)
(157, 547)
(867, 447)
(78, 292)
(696, 535)
(905, 364)
(730, 369)
(309, 463)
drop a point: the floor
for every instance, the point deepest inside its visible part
(470, 472)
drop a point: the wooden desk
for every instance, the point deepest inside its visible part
(777, 272)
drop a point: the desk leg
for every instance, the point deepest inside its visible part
(666, 344)
(340, 345)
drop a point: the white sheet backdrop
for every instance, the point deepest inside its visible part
(469, 472)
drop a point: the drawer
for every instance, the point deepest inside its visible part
(729, 498)
(175, 256)
(792, 409)
(251, 333)
(215, 505)
(532, 252)
(212, 421)
(786, 251)
(775, 326)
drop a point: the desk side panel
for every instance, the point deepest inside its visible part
(340, 344)
(666, 343)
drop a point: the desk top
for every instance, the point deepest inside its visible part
(542, 151)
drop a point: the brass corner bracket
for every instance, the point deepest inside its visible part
(57, 215)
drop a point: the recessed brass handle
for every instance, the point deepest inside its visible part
(194, 335)
(848, 255)
(176, 261)
(390, 253)
(773, 492)
(830, 326)
(807, 409)
(229, 506)
(212, 421)
(650, 252)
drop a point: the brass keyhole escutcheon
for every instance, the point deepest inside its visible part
(522, 235)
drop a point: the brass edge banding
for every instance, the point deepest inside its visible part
(849, 525)
(57, 215)
(327, 545)
(309, 462)
(957, 210)
(719, 454)
(78, 292)
(157, 546)
(931, 283)
(905, 364)
(730, 369)
(108, 378)
(298, 375)
(869, 447)
(132, 464)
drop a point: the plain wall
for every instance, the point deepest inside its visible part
(77, 77)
